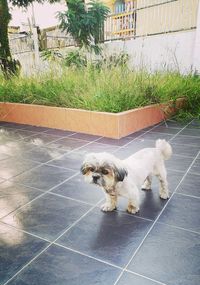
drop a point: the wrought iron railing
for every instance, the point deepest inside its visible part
(139, 18)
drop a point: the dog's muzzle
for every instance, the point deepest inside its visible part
(96, 177)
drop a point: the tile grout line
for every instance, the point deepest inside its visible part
(182, 144)
(180, 131)
(182, 155)
(179, 228)
(51, 243)
(187, 195)
(87, 255)
(23, 231)
(148, 278)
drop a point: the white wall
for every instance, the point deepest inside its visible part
(196, 54)
(177, 51)
(166, 51)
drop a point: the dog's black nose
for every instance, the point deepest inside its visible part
(95, 177)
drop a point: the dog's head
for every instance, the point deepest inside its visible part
(103, 169)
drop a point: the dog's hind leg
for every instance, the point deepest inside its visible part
(147, 183)
(162, 176)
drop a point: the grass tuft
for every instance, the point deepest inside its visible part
(109, 89)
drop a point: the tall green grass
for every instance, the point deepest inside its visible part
(110, 89)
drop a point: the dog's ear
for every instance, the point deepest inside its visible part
(120, 173)
(87, 161)
(83, 168)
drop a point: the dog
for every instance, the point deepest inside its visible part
(125, 177)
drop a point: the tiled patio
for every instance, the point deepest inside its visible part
(53, 232)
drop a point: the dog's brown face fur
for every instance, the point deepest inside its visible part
(102, 175)
(101, 171)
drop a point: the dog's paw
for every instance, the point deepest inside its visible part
(145, 188)
(164, 195)
(107, 208)
(132, 209)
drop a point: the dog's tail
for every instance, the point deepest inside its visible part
(165, 148)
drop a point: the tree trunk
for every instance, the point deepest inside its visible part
(8, 66)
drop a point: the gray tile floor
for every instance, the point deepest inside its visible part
(53, 232)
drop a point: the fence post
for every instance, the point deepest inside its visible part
(196, 50)
(36, 46)
(35, 38)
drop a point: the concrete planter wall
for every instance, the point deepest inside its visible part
(97, 123)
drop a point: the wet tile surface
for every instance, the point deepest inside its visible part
(76, 188)
(169, 255)
(63, 267)
(190, 185)
(43, 198)
(13, 196)
(131, 278)
(42, 154)
(47, 216)
(16, 249)
(112, 238)
(11, 167)
(71, 161)
(44, 177)
(184, 150)
(182, 211)
(180, 163)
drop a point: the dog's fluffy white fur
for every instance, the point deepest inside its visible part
(125, 177)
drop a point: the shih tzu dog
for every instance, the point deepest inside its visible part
(124, 177)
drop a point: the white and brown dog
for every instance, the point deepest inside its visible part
(124, 177)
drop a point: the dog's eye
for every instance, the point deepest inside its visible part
(91, 169)
(104, 171)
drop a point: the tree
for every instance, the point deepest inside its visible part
(8, 65)
(85, 24)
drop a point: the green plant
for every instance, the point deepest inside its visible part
(108, 89)
(51, 55)
(110, 61)
(84, 24)
(75, 59)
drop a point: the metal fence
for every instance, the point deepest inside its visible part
(138, 18)
(59, 41)
(24, 43)
(21, 43)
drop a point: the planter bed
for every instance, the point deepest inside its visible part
(111, 125)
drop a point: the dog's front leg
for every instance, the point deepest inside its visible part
(111, 203)
(133, 200)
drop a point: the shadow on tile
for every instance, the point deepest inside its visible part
(111, 237)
